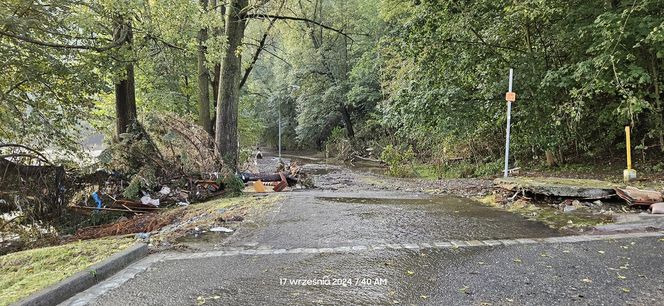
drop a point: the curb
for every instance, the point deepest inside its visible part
(80, 281)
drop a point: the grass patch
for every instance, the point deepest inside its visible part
(26, 272)
(217, 208)
(457, 170)
(207, 214)
(426, 171)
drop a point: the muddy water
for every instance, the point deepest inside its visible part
(345, 211)
(449, 216)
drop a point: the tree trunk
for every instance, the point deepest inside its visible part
(226, 138)
(125, 97)
(217, 31)
(348, 124)
(215, 97)
(345, 113)
(203, 79)
(550, 158)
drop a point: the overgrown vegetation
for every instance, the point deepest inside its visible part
(432, 74)
(399, 162)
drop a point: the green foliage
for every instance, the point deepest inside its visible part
(337, 145)
(399, 161)
(459, 170)
(145, 179)
(233, 185)
(446, 67)
(427, 73)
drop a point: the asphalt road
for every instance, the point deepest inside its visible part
(352, 242)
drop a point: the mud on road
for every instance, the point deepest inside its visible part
(361, 238)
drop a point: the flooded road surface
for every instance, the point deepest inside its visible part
(313, 220)
(361, 238)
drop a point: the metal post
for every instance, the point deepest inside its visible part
(629, 148)
(279, 130)
(507, 136)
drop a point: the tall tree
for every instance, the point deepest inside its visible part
(203, 78)
(226, 138)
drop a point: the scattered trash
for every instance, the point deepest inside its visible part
(210, 185)
(657, 208)
(569, 208)
(282, 184)
(635, 196)
(95, 196)
(165, 191)
(147, 200)
(221, 229)
(258, 186)
(143, 236)
(182, 203)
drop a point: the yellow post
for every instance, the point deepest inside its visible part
(629, 148)
(629, 173)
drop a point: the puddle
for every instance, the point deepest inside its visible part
(452, 215)
(446, 204)
(319, 171)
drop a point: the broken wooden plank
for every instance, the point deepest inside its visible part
(558, 187)
(635, 196)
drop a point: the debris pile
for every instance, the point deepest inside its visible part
(287, 175)
(635, 196)
(164, 162)
(581, 190)
(168, 162)
(139, 224)
(30, 183)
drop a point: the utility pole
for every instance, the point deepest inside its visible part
(509, 97)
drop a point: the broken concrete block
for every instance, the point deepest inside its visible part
(657, 208)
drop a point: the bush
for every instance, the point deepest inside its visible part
(337, 145)
(399, 162)
(232, 184)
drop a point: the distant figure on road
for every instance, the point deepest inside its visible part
(259, 155)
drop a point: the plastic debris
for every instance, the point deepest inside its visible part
(147, 200)
(95, 196)
(143, 236)
(165, 190)
(221, 229)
